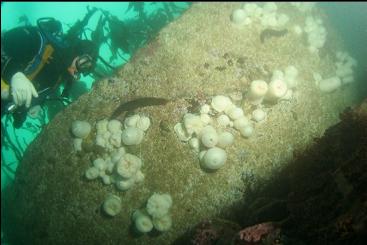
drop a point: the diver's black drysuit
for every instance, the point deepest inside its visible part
(41, 57)
(27, 50)
(21, 46)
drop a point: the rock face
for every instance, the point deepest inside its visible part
(193, 59)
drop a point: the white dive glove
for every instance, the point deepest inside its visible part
(22, 89)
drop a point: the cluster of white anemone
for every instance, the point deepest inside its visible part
(303, 6)
(280, 87)
(209, 132)
(344, 67)
(116, 166)
(80, 130)
(154, 215)
(266, 14)
(316, 33)
(112, 205)
(313, 28)
(120, 168)
(343, 74)
(111, 135)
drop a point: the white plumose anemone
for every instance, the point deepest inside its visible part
(195, 144)
(202, 154)
(209, 138)
(291, 74)
(220, 103)
(225, 139)
(115, 139)
(101, 126)
(131, 121)
(106, 179)
(277, 74)
(247, 131)
(205, 109)
(112, 205)
(205, 118)
(142, 222)
(297, 29)
(92, 173)
(143, 123)
(77, 143)
(100, 164)
(181, 132)
(114, 126)
(139, 177)
(239, 16)
(223, 121)
(241, 122)
(100, 141)
(258, 90)
(330, 84)
(128, 165)
(277, 89)
(214, 158)
(270, 7)
(258, 115)
(132, 136)
(235, 113)
(208, 129)
(81, 129)
(158, 205)
(124, 184)
(163, 224)
(117, 154)
(288, 95)
(192, 123)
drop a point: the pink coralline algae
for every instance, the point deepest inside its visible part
(254, 234)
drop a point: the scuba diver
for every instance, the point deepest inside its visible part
(36, 60)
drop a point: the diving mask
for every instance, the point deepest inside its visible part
(84, 64)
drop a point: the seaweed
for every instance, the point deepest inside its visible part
(267, 33)
(138, 103)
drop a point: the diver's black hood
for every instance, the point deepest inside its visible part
(85, 47)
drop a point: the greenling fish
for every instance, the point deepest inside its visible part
(138, 103)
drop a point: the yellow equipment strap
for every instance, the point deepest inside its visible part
(4, 85)
(45, 59)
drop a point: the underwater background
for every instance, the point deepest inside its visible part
(26, 13)
(14, 14)
(348, 19)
